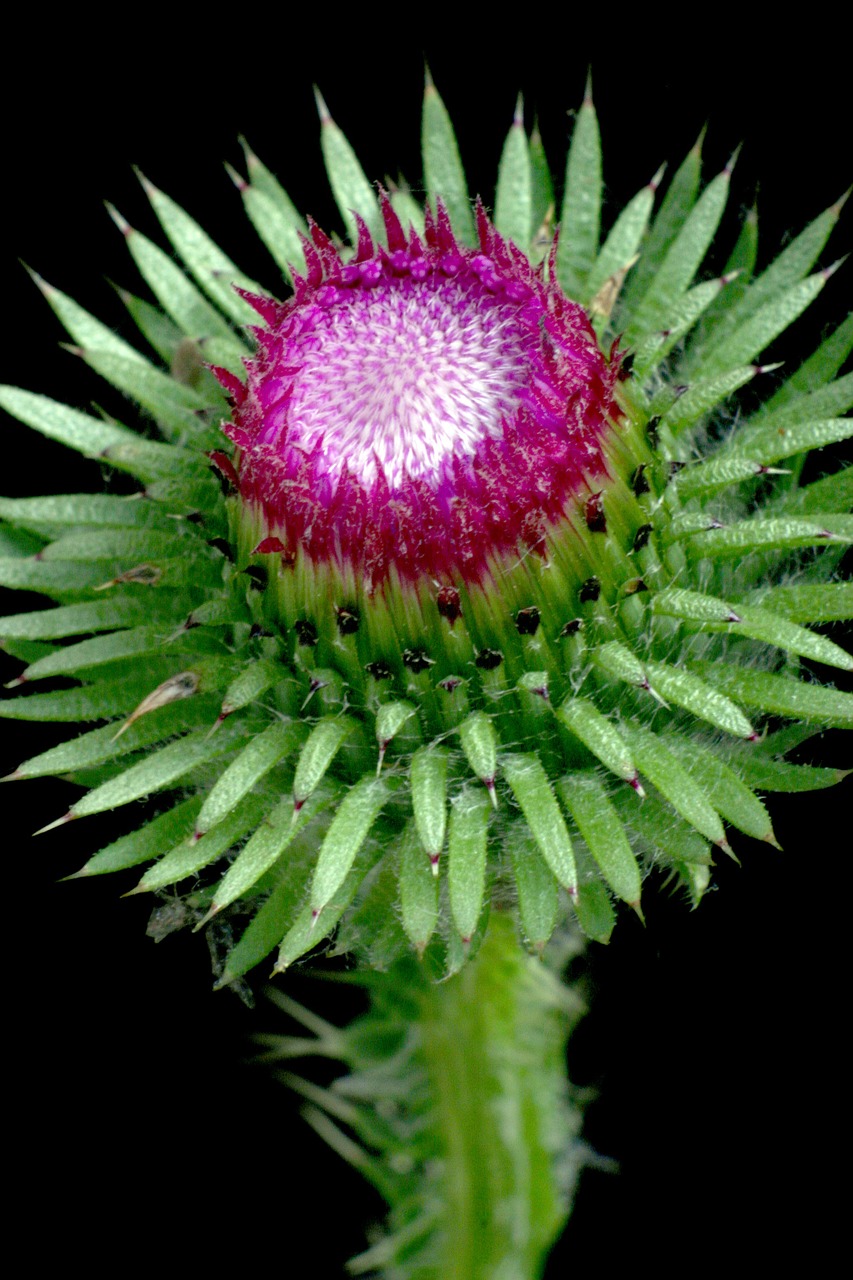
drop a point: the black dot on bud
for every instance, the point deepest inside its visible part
(449, 604)
(593, 512)
(589, 590)
(256, 631)
(641, 537)
(417, 660)
(347, 619)
(527, 621)
(257, 575)
(639, 483)
(652, 431)
(306, 632)
(379, 670)
(572, 628)
(626, 368)
(195, 517)
(450, 684)
(488, 659)
(223, 545)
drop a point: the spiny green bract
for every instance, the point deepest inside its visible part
(306, 789)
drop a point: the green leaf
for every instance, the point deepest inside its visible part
(786, 271)
(53, 515)
(159, 770)
(349, 829)
(466, 873)
(692, 606)
(100, 745)
(261, 754)
(211, 268)
(756, 334)
(418, 891)
(596, 916)
(704, 395)
(350, 187)
(599, 735)
(763, 533)
(533, 791)
(820, 368)
(726, 790)
(98, 702)
(390, 719)
(619, 663)
(778, 695)
(173, 406)
(274, 216)
(279, 232)
(189, 854)
(681, 687)
(145, 843)
(323, 744)
(157, 329)
(85, 329)
(176, 294)
(580, 218)
(514, 195)
(480, 744)
(676, 206)
(660, 828)
(541, 185)
(829, 401)
(87, 654)
(94, 438)
(538, 901)
(779, 775)
(443, 172)
(652, 350)
(663, 768)
(100, 615)
(252, 683)
(762, 624)
(624, 239)
(602, 829)
(268, 926)
(808, 602)
(263, 849)
(682, 261)
(428, 782)
(304, 934)
(131, 545)
(833, 493)
(776, 441)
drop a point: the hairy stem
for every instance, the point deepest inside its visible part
(458, 1093)
(493, 1044)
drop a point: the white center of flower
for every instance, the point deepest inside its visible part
(403, 377)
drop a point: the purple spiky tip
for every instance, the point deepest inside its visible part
(422, 409)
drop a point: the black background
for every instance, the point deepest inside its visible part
(715, 1038)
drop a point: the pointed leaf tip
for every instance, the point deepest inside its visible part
(60, 822)
(322, 110)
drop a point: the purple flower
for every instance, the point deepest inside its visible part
(421, 410)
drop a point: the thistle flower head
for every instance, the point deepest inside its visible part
(422, 408)
(487, 616)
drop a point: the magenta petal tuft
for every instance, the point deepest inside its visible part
(421, 410)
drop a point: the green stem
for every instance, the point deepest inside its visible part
(493, 1043)
(458, 1093)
